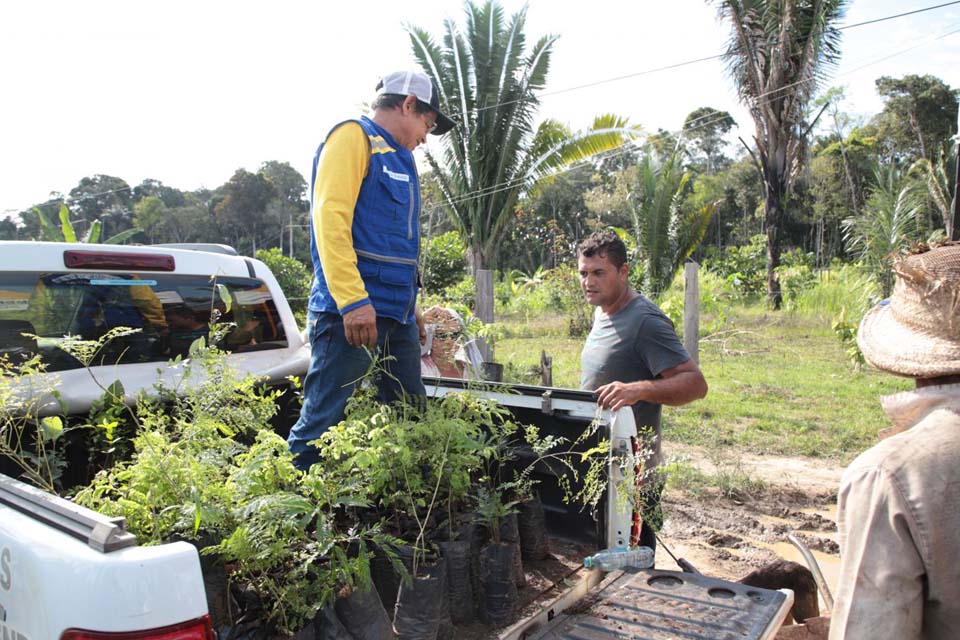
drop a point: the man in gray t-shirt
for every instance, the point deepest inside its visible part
(632, 356)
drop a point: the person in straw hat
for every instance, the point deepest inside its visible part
(899, 501)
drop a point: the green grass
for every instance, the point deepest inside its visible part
(730, 477)
(519, 350)
(779, 383)
(521, 357)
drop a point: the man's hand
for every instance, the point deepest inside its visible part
(616, 395)
(360, 327)
(420, 325)
(676, 386)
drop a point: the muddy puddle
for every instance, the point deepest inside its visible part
(728, 538)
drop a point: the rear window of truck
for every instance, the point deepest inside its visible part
(168, 312)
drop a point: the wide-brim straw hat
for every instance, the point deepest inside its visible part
(916, 332)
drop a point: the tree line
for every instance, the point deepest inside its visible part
(250, 211)
(855, 169)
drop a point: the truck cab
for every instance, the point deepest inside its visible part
(167, 296)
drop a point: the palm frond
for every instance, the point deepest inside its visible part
(608, 132)
(938, 182)
(887, 224)
(666, 232)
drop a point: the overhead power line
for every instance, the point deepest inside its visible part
(627, 76)
(706, 121)
(686, 63)
(899, 15)
(64, 199)
(712, 118)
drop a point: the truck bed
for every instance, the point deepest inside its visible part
(633, 604)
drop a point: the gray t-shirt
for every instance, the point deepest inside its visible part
(638, 342)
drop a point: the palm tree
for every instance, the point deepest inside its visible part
(777, 55)
(888, 224)
(940, 181)
(488, 82)
(666, 234)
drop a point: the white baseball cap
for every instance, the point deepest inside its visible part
(419, 85)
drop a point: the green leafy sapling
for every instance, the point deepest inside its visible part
(29, 437)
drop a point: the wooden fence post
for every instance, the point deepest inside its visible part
(691, 310)
(546, 369)
(485, 308)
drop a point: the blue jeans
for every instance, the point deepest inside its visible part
(335, 367)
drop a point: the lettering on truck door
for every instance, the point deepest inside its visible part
(7, 633)
(6, 581)
(6, 577)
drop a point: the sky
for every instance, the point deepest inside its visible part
(187, 92)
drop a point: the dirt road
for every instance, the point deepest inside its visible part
(727, 536)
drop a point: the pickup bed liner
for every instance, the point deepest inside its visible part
(661, 605)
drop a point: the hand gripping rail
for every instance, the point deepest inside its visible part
(98, 531)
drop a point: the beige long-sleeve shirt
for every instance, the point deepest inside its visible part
(899, 522)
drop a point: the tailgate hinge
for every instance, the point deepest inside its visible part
(546, 402)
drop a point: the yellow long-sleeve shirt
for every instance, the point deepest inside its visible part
(341, 169)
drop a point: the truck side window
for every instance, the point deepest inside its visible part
(167, 313)
(257, 326)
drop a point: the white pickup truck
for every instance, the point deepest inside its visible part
(69, 573)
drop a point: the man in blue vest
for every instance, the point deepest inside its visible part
(365, 242)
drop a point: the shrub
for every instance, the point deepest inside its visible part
(208, 467)
(715, 296)
(444, 261)
(794, 281)
(846, 333)
(847, 288)
(745, 267)
(292, 275)
(286, 540)
(798, 258)
(27, 440)
(174, 484)
(556, 291)
(462, 293)
(407, 458)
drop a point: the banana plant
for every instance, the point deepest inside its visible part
(66, 233)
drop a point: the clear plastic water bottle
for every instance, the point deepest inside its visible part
(620, 557)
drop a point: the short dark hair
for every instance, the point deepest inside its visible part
(394, 100)
(604, 244)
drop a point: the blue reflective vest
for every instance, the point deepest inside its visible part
(386, 230)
